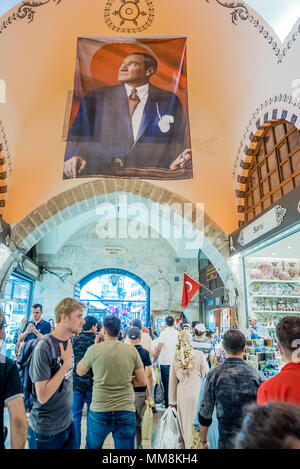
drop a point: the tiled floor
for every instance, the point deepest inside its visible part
(108, 444)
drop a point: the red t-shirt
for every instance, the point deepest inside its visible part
(284, 387)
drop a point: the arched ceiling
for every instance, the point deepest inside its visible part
(233, 66)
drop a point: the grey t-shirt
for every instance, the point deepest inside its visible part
(55, 415)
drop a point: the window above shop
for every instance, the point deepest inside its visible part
(275, 168)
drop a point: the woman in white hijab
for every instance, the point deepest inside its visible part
(188, 368)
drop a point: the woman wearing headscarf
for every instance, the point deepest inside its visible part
(188, 368)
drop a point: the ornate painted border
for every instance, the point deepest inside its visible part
(240, 12)
(3, 185)
(108, 13)
(26, 10)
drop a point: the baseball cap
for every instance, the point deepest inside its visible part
(200, 328)
(186, 326)
(90, 321)
(137, 323)
(134, 333)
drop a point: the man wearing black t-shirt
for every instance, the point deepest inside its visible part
(141, 392)
(11, 397)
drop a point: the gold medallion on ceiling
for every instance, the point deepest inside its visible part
(129, 16)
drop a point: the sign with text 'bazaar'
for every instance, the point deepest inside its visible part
(262, 225)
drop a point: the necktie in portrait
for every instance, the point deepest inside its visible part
(134, 100)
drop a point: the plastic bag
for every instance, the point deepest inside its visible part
(169, 435)
(159, 395)
(147, 423)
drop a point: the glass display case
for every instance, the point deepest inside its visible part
(15, 306)
(273, 288)
(273, 292)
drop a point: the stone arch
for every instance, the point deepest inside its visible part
(77, 200)
(73, 202)
(262, 124)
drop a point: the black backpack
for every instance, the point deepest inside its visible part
(23, 363)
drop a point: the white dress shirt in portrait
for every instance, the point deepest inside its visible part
(142, 92)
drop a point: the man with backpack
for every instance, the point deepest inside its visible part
(11, 397)
(50, 421)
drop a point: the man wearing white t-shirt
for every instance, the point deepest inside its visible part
(165, 351)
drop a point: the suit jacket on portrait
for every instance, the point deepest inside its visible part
(102, 131)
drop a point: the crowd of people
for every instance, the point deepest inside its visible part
(79, 361)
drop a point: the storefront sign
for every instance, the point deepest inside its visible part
(272, 219)
(211, 273)
(282, 215)
(114, 251)
(30, 268)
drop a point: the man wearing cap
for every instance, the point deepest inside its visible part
(83, 385)
(200, 342)
(141, 393)
(165, 351)
(146, 341)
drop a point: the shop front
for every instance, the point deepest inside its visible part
(216, 312)
(16, 303)
(269, 247)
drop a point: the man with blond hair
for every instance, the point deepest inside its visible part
(50, 421)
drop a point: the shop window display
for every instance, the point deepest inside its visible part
(273, 291)
(16, 308)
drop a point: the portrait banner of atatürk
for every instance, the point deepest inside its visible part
(129, 114)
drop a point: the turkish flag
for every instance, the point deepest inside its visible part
(190, 287)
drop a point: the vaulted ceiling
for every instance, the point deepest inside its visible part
(236, 67)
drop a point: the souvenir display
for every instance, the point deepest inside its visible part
(273, 291)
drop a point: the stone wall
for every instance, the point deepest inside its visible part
(153, 260)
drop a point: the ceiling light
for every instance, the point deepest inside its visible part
(289, 247)
(274, 253)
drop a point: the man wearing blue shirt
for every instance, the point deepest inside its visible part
(36, 327)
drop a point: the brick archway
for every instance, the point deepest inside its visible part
(87, 196)
(72, 202)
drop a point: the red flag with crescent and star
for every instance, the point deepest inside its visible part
(190, 287)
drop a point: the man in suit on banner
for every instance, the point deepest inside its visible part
(130, 125)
